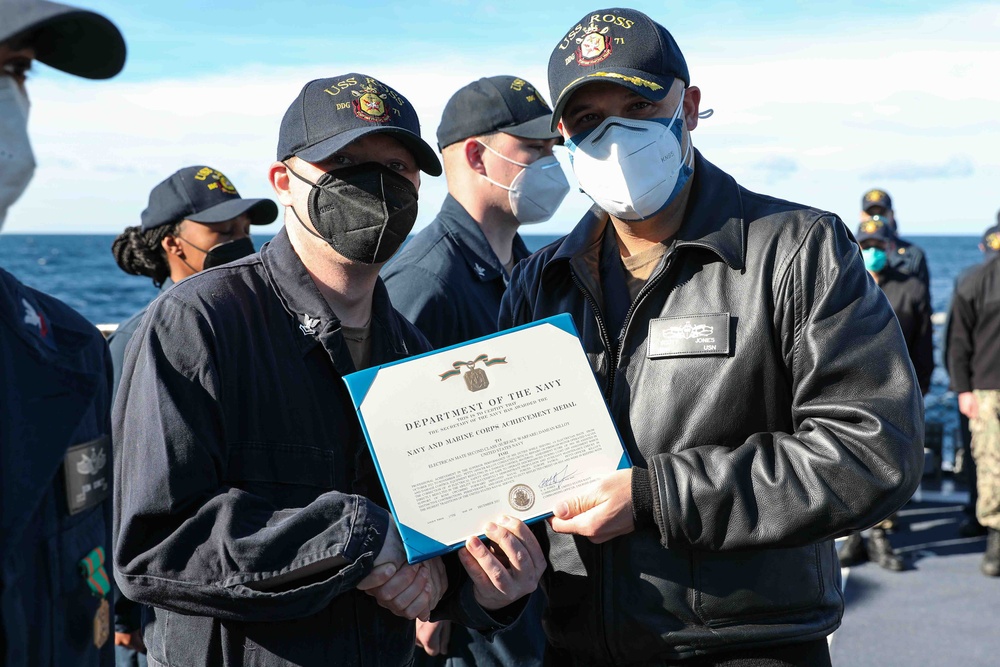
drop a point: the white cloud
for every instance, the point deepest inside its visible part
(809, 117)
(954, 167)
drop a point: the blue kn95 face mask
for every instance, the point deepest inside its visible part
(875, 259)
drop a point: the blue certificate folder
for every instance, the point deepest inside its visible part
(420, 547)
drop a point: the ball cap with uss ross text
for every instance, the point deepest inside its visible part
(620, 46)
(503, 103)
(71, 39)
(205, 195)
(328, 114)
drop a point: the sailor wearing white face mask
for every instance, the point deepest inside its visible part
(716, 321)
(17, 161)
(55, 393)
(496, 141)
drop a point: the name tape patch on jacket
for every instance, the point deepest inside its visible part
(88, 474)
(689, 335)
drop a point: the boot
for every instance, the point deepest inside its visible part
(991, 559)
(881, 552)
(852, 551)
(970, 527)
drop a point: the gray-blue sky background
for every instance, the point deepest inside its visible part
(814, 102)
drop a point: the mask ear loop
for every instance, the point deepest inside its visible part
(679, 115)
(202, 250)
(502, 157)
(296, 213)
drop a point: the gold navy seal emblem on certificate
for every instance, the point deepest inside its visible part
(475, 378)
(521, 498)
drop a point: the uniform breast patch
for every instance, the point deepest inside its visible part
(87, 468)
(689, 335)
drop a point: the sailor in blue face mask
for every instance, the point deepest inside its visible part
(904, 256)
(910, 301)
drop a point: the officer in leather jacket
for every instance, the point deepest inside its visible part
(757, 376)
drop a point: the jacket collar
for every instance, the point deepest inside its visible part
(469, 237)
(713, 220)
(315, 319)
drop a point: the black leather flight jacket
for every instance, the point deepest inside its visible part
(800, 422)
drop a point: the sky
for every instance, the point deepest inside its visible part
(814, 102)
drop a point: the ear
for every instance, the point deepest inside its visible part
(280, 180)
(561, 129)
(171, 245)
(692, 102)
(473, 152)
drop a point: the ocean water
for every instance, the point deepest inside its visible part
(80, 270)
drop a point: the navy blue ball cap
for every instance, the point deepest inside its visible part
(620, 46)
(74, 40)
(991, 239)
(503, 103)
(875, 228)
(204, 195)
(330, 113)
(876, 197)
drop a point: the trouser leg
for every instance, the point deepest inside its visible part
(986, 451)
(968, 463)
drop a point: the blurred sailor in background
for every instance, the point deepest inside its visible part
(195, 220)
(911, 302)
(974, 365)
(902, 255)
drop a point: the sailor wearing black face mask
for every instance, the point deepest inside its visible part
(195, 220)
(249, 514)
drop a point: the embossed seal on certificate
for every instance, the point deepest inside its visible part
(521, 497)
(475, 378)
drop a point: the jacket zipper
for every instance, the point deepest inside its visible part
(615, 359)
(604, 334)
(607, 395)
(638, 299)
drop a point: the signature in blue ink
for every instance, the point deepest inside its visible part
(556, 480)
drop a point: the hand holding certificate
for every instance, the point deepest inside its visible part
(508, 424)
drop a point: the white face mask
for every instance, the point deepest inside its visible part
(537, 190)
(632, 168)
(17, 162)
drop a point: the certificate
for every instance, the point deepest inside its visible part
(510, 424)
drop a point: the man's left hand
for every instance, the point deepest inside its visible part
(601, 513)
(411, 592)
(433, 638)
(508, 571)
